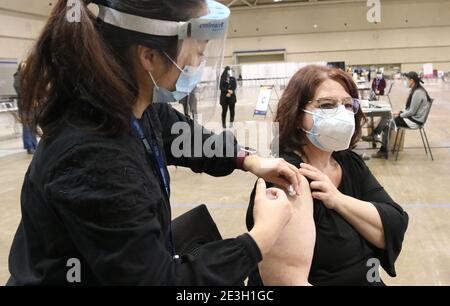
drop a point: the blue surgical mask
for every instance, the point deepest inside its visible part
(189, 78)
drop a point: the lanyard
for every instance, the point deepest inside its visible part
(153, 150)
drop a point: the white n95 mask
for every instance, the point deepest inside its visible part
(332, 129)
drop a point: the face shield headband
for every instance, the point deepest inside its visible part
(200, 50)
(212, 26)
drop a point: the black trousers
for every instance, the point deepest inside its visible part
(225, 108)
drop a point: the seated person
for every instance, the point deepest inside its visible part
(355, 219)
(413, 116)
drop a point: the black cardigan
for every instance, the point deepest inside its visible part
(99, 200)
(341, 254)
(227, 83)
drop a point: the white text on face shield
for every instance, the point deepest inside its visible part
(212, 25)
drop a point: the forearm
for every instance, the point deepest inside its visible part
(203, 152)
(412, 110)
(364, 217)
(406, 113)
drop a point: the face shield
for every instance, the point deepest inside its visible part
(200, 50)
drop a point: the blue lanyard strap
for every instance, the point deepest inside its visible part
(154, 152)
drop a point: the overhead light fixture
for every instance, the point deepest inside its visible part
(277, 0)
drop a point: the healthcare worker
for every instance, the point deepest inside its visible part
(96, 195)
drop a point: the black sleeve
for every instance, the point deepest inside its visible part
(249, 221)
(394, 218)
(233, 84)
(188, 138)
(383, 84)
(109, 206)
(223, 84)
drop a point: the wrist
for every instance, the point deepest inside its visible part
(263, 240)
(249, 162)
(243, 161)
(340, 202)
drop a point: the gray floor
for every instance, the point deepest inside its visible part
(418, 184)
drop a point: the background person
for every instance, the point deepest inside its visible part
(29, 133)
(228, 99)
(379, 84)
(412, 116)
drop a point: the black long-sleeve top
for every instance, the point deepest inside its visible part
(227, 83)
(341, 254)
(100, 200)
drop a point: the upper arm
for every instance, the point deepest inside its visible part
(417, 99)
(223, 85)
(233, 84)
(188, 144)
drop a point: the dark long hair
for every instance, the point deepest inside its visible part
(417, 86)
(301, 89)
(82, 68)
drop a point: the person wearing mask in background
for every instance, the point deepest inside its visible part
(379, 84)
(412, 116)
(184, 103)
(355, 219)
(28, 135)
(190, 105)
(192, 102)
(240, 80)
(228, 99)
(349, 70)
(98, 188)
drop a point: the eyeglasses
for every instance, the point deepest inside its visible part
(330, 104)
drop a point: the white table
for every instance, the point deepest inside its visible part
(363, 88)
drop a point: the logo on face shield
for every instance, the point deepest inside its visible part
(212, 25)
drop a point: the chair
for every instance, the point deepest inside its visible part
(401, 134)
(388, 93)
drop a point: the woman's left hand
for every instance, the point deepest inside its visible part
(274, 170)
(322, 187)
